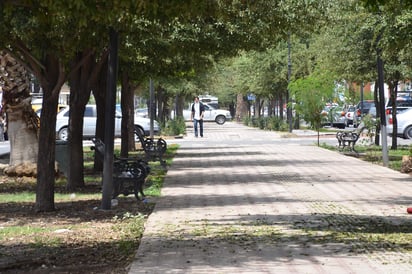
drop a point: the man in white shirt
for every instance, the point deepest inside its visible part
(198, 110)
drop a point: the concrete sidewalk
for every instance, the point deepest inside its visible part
(241, 200)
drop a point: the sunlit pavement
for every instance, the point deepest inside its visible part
(241, 200)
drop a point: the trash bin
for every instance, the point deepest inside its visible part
(62, 156)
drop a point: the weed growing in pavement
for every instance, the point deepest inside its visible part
(130, 227)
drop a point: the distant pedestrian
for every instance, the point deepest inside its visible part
(198, 110)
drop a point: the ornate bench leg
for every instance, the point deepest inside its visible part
(116, 188)
(138, 189)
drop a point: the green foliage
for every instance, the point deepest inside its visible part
(373, 154)
(174, 127)
(266, 123)
(311, 95)
(368, 126)
(131, 228)
(18, 231)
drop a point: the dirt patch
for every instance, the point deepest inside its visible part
(76, 238)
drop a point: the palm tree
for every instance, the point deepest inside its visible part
(22, 121)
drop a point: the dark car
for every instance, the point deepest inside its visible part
(363, 108)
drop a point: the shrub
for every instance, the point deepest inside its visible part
(266, 123)
(175, 126)
(247, 121)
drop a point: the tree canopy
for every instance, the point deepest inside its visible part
(178, 44)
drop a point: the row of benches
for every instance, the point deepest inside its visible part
(129, 174)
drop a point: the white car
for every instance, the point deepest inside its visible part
(404, 119)
(350, 113)
(89, 123)
(220, 116)
(142, 112)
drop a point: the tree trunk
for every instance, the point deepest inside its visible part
(280, 107)
(22, 121)
(51, 82)
(46, 160)
(79, 96)
(241, 108)
(271, 107)
(127, 127)
(23, 138)
(99, 93)
(161, 104)
(393, 93)
(179, 105)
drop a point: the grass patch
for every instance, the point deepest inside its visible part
(373, 154)
(78, 233)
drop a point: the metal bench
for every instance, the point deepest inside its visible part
(129, 174)
(153, 148)
(347, 139)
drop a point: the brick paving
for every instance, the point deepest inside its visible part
(241, 200)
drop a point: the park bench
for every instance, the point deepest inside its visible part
(153, 148)
(129, 174)
(347, 139)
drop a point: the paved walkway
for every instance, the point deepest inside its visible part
(241, 200)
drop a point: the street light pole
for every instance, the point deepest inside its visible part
(385, 158)
(152, 107)
(288, 100)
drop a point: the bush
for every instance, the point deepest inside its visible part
(247, 121)
(266, 123)
(275, 123)
(175, 126)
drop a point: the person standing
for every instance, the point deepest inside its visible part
(198, 110)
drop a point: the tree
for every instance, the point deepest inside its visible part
(41, 34)
(47, 36)
(312, 93)
(22, 121)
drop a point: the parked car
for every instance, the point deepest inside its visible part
(60, 107)
(350, 113)
(220, 116)
(334, 116)
(89, 123)
(403, 102)
(404, 119)
(142, 112)
(363, 108)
